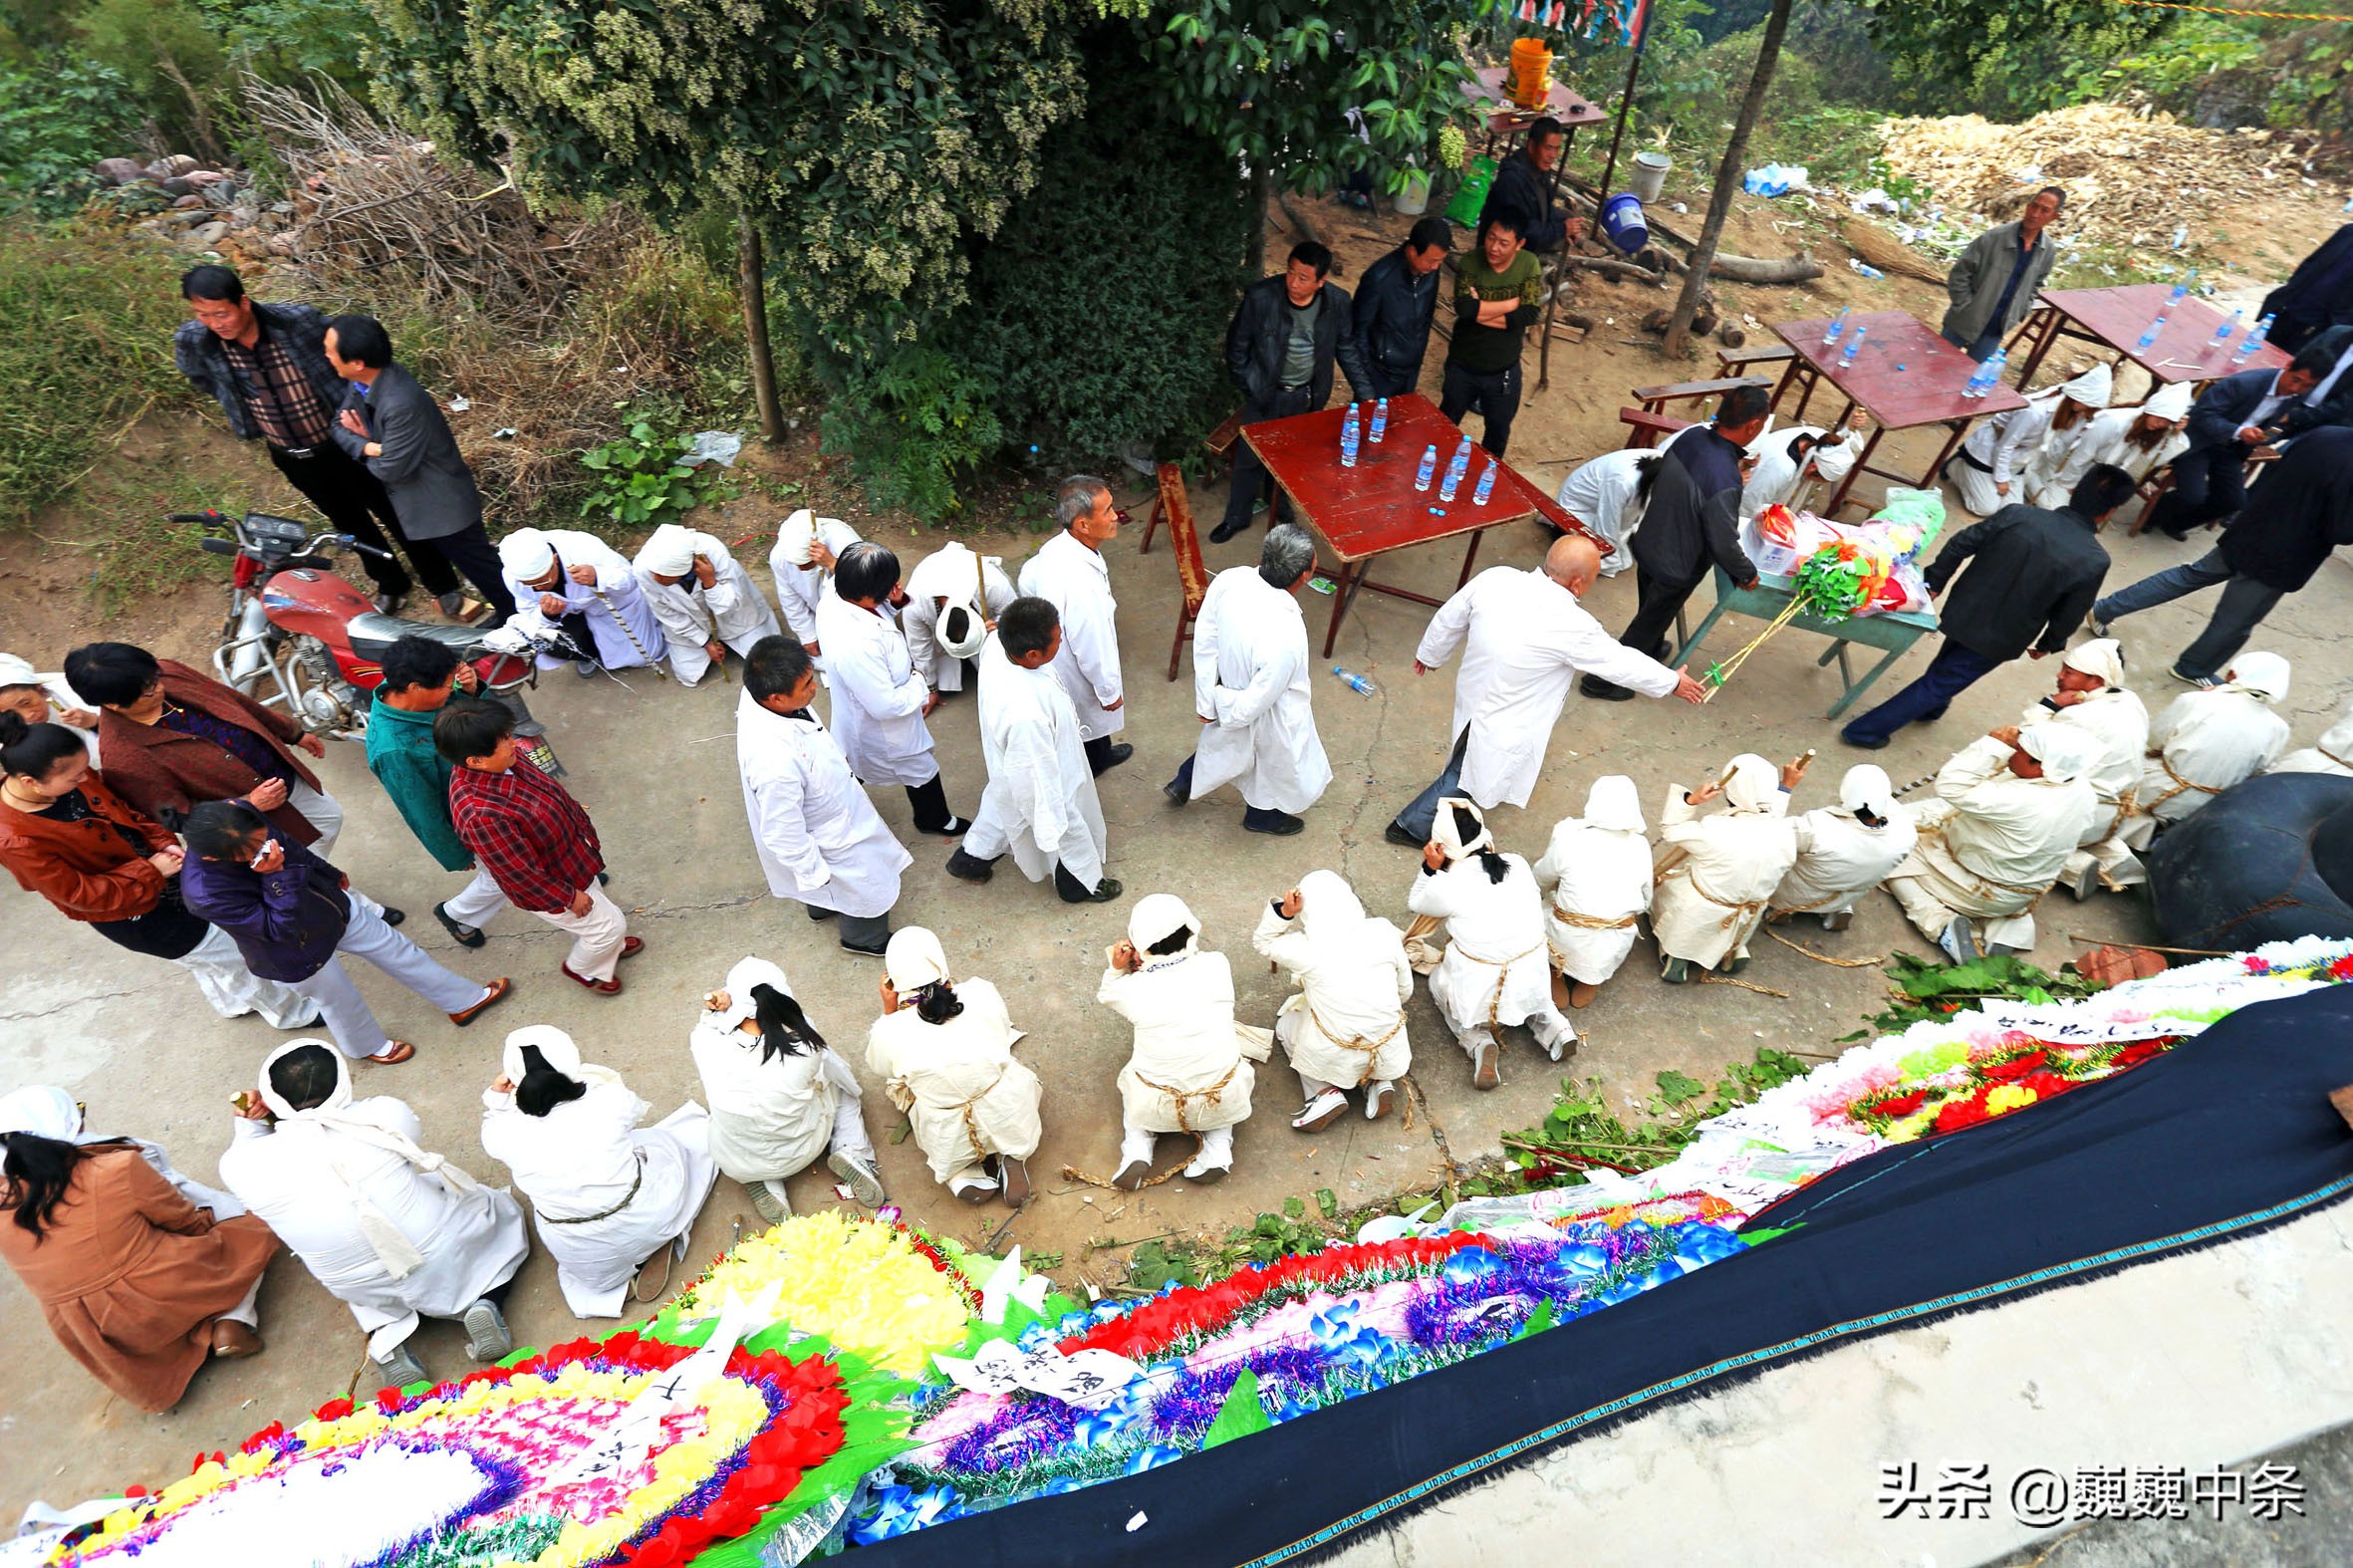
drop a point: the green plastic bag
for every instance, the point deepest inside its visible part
(1472, 193)
(1921, 510)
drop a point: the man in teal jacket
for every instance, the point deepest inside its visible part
(420, 677)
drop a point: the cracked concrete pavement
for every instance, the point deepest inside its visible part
(655, 767)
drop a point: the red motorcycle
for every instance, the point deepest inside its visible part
(301, 638)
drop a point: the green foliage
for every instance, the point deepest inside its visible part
(1920, 990)
(286, 40)
(1154, 1263)
(168, 53)
(639, 480)
(57, 118)
(1240, 1415)
(2007, 59)
(89, 345)
(913, 428)
(1581, 1130)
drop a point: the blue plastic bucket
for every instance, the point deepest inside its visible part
(1621, 220)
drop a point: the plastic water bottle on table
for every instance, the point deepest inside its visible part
(2149, 332)
(1854, 345)
(2255, 341)
(1457, 466)
(2229, 326)
(1348, 439)
(1429, 467)
(1486, 484)
(1380, 421)
(1838, 325)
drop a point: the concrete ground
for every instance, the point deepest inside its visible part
(655, 767)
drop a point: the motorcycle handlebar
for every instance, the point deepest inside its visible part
(349, 543)
(198, 517)
(218, 546)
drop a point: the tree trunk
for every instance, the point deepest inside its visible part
(751, 284)
(1728, 180)
(1261, 188)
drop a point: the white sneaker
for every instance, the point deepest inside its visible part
(1321, 1111)
(487, 1336)
(866, 1183)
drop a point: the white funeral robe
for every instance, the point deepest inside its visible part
(1839, 860)
(1709, 902)
(2002, 443)
(964, 1093)
(1524, 640)
(634, 638)
(948, 572)
(294, 1175)
(1780, 478)
(1186, 1072)
(2332, 753)
(1077, 583)
(2202, 744)
(799, 591)
(2053, 468)
(769, 1119)
(609, 1192)
(1991, 845)
(2105, 439)
(1599, 875)
(1600, 494)
(1040, 802)
(877, 695)
(730, 610)
(2117, 723)
(1495, 970)
(1251, 675)
(1346, 1024)
(818, 839)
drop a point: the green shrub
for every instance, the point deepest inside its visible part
(88, 346)
(915, 430)
(57, 118)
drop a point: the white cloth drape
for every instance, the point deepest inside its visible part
(2203, 744)
(1346, 1024)
(1495, 970)
(1182, 1007)
(1710, 899)
(771, 1117)
(1599, 873)
(1839, 858)
(1251, 675)
(1600, 494)
(818, 839)
(964, 1092)
(1991, 845)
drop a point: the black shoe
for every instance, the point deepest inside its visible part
(1176, 793)
(1102, 892)
(1594, 686)
(970, 867)
(954, 828)
(392, 916)
(1396, 833)
(1114, 757)
(876, 951)
(1860, 743)
(1226, 530)
(463, 935)
(816, 913)
(1279, 823)
(2179, 536)
(604, 877)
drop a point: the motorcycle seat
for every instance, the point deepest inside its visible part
(372, 634)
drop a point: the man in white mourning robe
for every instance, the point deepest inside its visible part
(2011, 808)
(392, 1231)
(2047, 467)
(1344, 1027)
(818, 839)
(1716, 874)
(1251, 690)
(2091, 698)
(2205, 741)
(880, 698)
(703, 598)
(1990, 464)
(1845, 851)
(1792, 458)
(1524, 638)
(1069, 573)
(1604, 497)
(802, 565)
(1598, 866)
(1040, 802)
(2331, 753)
(1495, 970)
(580, 586)
(1188, 1072)
(2140, 439)
(953, 599)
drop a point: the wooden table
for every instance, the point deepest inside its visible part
(1372, 509)
(2115, 319)
(1891, 632)
(1906, 376)
(1507, 120)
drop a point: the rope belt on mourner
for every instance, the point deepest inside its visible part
(1502, 969)
(627, 1199)
(1183, 1124)
(1741, 913)
(2180, 784)
(2333, 757)
(621, 622)
(1592, 923)
(972, 1122)
(1357, 1042)
(1980, 884)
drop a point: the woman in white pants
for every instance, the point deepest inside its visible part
(779, 1093)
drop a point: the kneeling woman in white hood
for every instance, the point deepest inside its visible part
(779, 1093)
(608, 1194)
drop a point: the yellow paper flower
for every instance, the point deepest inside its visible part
(859, 1284)
(2008, 1098)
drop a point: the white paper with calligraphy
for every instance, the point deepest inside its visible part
(1085, 1379)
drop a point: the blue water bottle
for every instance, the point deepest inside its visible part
(1486, 485)
(1348, 439)
(1854, 345)
(1380, 421)
(1838, 325)
(1981, 381)
(1356, 682)
(2255, 341)
(2229, 326)
(2149, 332)
(2180, 292)
(1455, 466)
(1429, 467)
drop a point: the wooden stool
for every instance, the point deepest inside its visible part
(1220, 447)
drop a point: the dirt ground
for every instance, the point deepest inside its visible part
(654, 765)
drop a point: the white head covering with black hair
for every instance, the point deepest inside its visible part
(557, 1049)
(772, 1113)
(914, 960)
(1157, 917)
(1840, 857)
(1754, 783)
(46, 1111)
(1446, 828)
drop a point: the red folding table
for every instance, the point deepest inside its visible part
(1906, 376)
(2185, 351)
(1373, 508)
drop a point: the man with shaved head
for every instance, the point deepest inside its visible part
(1525, 637)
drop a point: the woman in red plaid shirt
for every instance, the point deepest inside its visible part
(532, 837)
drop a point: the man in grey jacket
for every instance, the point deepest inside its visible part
(1994, 285)
(392, 426)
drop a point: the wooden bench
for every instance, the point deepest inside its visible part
(1644, 428)
(1733, 361)
(1219, 444)
(1655, 399)
(1173, 507)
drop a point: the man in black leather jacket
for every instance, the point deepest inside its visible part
(1279, 351)
(1394, 303)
